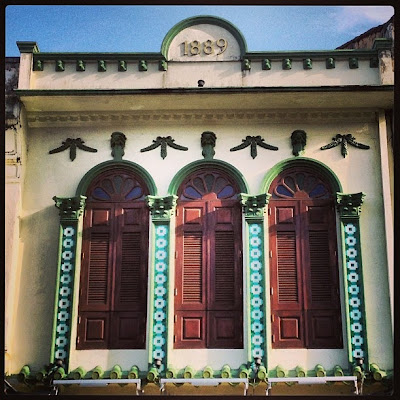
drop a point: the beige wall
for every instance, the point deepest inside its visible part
(48, 175)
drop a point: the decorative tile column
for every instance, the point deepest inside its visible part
(254, 209)
(161, 209)
(70, 209)
(349, 207)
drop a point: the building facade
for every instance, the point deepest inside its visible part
(205, 212)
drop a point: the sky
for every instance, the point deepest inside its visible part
(143, 28)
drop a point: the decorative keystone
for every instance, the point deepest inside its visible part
(307, 63)
(164, 142)
(299, 141)
(162, 65)
(142, 65)
(226, 371)
(97, 372)
(161, 208)
(122, 66)
(353, 63)
(330, 63)
(80, 65)
(349, 205)
(208, 140)
(134, 372)
(254, 206)
(280, 372)
(286, 63)
(246, 65)
(101, 66)
(374, 62)
(70, 208)
(266, 64)
(60, 66)
(118, 140)
(253, 142)
(38, 65)
(320, 371)
(116, 372)
(72, 144)
(78, 373)
(344, 140)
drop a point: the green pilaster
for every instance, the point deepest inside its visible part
(349, 207)
(70, 210)
(161, 209)
(254, 210)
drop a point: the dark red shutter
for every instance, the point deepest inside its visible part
(286, 275)
(96, 275)
(322, 303)
(225, 276)
(130, 302)
(190, 277)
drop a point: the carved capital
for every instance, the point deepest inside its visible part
(349, 205)
(254, 206)
(70, 208)
(118, 140)
(161, 208)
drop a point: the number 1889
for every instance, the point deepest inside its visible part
(195, 47)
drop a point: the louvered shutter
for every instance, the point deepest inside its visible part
(322, 301)
(288, 328)
(224, 315)
(129, 308)
(190, 276)
(96, 274)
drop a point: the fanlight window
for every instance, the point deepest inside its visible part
(208, 182)
(298, 185)
(117, 186)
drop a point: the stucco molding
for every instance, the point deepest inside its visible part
(42, 119)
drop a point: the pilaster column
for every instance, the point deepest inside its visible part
(254, 210)
(161, 209)
(349, 207)
(70, 210)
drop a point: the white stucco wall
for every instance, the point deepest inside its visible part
(48, 175)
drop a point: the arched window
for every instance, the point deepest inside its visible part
(208, 278)
(113, 286)
(303, 265)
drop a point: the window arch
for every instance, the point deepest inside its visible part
(208, 274)
(113, 286)
(305, 303)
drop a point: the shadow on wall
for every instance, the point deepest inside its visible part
(34, 291)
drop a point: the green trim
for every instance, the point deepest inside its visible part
(28, 47)
(203, 19)
(299, 55)
(99, 168)
(99, 56)
(382, 44)
(301, 162)
(218, 164)
(203, 90)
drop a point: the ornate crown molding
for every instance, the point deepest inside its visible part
(68, 119)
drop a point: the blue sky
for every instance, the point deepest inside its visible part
(143, 28)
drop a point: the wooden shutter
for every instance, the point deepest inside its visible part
(96, 274)
(224, 316)
(190, 276)
(322, 302)
(130, 302)
(288, 330)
